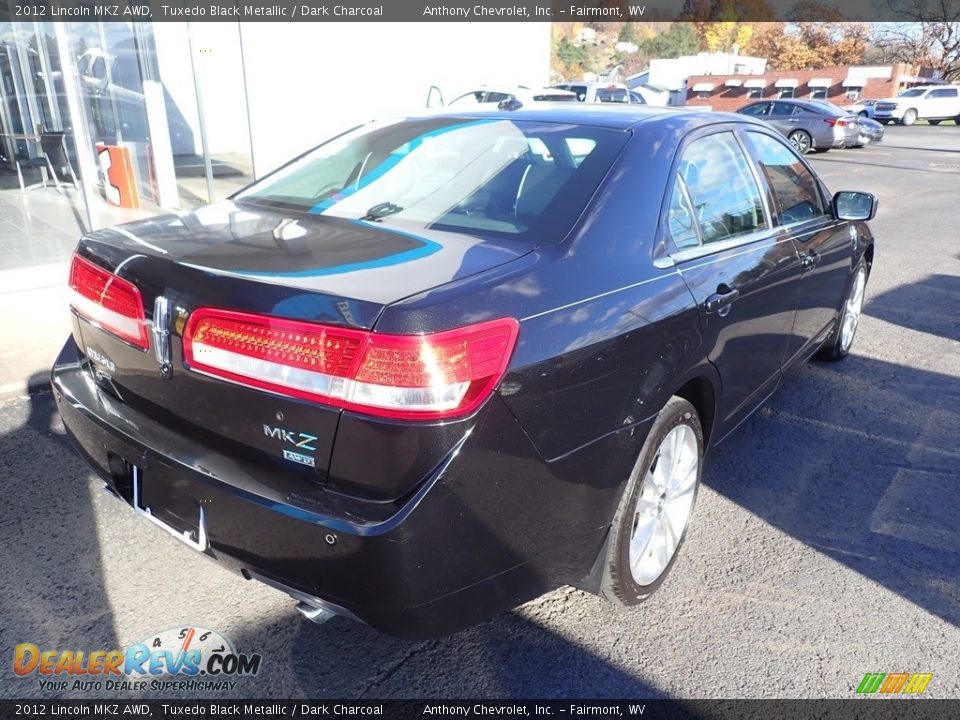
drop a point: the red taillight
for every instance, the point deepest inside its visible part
(108, 301)
(432, 376)
(836, 122)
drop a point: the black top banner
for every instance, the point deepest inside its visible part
(473, 11)
(579, 709)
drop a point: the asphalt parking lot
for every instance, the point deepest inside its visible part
(824, 544)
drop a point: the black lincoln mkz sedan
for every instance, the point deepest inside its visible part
(441, 365)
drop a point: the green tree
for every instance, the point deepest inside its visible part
(628, 33)
(570, 53)
(680, 39)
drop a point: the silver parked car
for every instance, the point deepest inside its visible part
(869, 131)
(808, 125)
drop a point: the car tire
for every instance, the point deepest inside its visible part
(801, 140)
(909, 117)
(933, 122)
(651, 521)
(863, 113)
(838, 345)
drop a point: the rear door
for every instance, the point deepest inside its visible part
(786, 117)
(941, 103)
(742, 271)
(825, 246)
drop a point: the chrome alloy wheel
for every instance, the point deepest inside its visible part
(664, 505)
(852, 310)
(801, 141)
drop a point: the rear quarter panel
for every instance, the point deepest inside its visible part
(604, 333)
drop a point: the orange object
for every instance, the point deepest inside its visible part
(120, 181)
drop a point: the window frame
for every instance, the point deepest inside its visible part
(775, 201)
(665, 252)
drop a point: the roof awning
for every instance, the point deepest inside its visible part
(819, 82)
(855, 82)
(733, 83)
(758, 83)
(786, 83)
(703, 87)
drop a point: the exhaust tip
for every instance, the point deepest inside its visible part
(318, 615)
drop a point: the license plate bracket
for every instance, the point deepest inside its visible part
(194, 538)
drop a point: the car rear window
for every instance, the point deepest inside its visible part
(613, 95)
(550, 97)
(505, 177)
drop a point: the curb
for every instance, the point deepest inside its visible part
(35, 385)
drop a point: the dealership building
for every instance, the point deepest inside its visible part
(842, 85)
(195, 110)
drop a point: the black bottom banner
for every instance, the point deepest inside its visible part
(868, 709)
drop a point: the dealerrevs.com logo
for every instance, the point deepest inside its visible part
(177, 659)
(898, 683)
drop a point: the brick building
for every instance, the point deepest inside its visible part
(841, 85)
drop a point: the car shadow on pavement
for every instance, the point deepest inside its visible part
(54, 591)
(928, 305)
(866, 472)
(508, 656)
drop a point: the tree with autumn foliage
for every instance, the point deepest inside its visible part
(726, 36)
(809, 44)
(929, 37)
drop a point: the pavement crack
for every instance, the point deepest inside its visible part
(388, 672)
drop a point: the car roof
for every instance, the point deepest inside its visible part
(616, 116)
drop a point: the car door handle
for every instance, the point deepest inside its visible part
(809, 261)
(721, 301)
(793, 120)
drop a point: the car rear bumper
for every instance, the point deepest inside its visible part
(492, 525)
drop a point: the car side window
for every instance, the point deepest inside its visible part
(794, 185)
(944, 93)
(723, 191)
(758, 110)
(681, 221)
(781, 109)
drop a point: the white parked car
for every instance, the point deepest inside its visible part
(594, 92)
(863, 108)
(496, 94)
(926, 102)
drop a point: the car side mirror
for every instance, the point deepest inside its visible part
(850, 205)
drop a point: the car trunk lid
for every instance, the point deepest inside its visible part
(315, 269)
